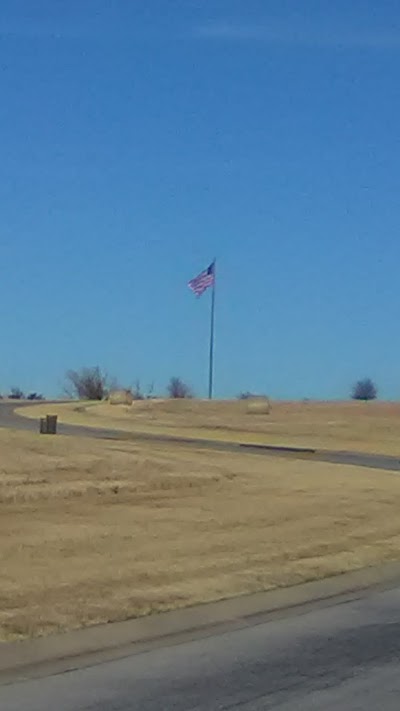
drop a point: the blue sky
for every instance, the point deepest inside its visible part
(140, 139)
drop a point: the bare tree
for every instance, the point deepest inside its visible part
(137, 391)
(364, 390)
(35, 396)
(87, 384)
(178, 389)
(16, 394)
(150, 390)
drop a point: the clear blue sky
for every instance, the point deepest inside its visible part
(139, 139)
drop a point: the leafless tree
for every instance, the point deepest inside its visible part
(16, 394)
(137, 391)
(87, 384)
(150, 390)
(178, 389)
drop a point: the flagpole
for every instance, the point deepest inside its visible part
(212, 335)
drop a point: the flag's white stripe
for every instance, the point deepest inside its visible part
(202, 282)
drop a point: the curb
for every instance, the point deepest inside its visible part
(72, 650)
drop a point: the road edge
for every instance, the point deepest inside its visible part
(385, 462)
(81, 648)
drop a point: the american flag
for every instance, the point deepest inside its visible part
(203, 281)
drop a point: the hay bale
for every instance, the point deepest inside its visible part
(258, 405)
(120, 397)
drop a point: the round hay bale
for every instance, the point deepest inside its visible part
(120, 397)
(259, 405)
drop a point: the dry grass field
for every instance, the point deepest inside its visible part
(357, 426)
(94, 531)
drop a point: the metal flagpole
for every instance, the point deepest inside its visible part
(212, 333)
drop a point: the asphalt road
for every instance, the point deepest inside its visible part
(341, 657)
(9, 419)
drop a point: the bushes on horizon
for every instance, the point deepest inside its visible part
(16, 394)
(246, 395)
(364, 389)
(177, 389)
(87, 384)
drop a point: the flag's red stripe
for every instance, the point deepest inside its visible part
(202, 282)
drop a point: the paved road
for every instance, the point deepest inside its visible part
(345, 656)
(9, 419)
(342, 657)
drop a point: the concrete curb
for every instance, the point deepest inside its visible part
(72, 650)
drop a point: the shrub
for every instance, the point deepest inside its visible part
(364, 390)
(87, 384)
(16, 394)
(178, 389)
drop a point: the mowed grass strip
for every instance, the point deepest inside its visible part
(356, 426)
(94, 531)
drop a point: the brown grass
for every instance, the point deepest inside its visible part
(357, 426)
(95, 531)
